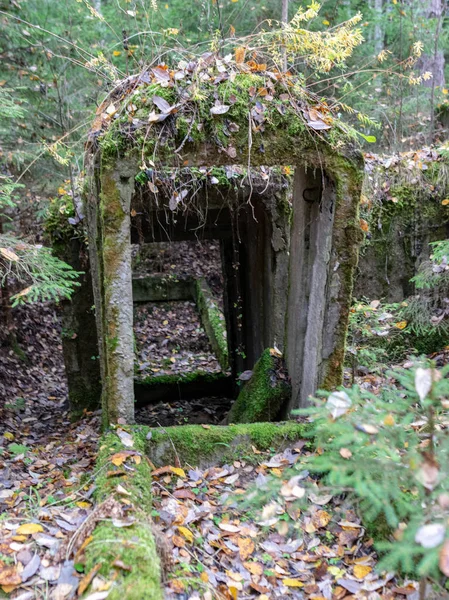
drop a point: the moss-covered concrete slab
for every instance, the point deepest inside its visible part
(203, 446)
(122, 541)
(163, 288)
(196, 384)
(213, 321)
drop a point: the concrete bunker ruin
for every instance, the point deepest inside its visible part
(288, 253)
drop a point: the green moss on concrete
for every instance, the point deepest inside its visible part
(284, 130)
(136, 548)
(196, 445)
(135, 545)
(137, 481)
(213, 321)
(264, 395)
(180, 378)
(347, 175)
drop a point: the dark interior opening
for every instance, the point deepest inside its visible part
(179, 377)
(235, 239)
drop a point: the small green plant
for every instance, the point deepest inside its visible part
(389, 455)
(428, 310)
(17, 449)
(375, 335)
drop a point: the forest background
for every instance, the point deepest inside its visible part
(59, 60)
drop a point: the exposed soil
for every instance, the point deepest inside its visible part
(182, 412)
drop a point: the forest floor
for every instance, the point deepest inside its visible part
(219, 547)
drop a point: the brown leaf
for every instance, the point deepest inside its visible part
(444, 559)
(345, 453)
(364, 225)
(178, 541)
(184, 495)
(10, 576)
(85, 581)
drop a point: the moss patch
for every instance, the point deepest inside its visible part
(182, 378)
(134, 545)
(264, 395)
(279, 125)
(195, 445)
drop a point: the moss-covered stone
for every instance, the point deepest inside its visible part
(199, 446)
(264, 395)
(182, 378)
(133, 545)
(213, 321)
(196, 384)
(402, 204)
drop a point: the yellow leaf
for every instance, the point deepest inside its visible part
(165, 322)
(186, 533)
(9, 254)
(326, 22)
(361, 571)
(204, 577)
(83, 504)
(292, 583)
(233, 590)
(29, 528)
(9, 436)
(445, 91)
(137, 459)
(336, 572)
(177, 471)
(445, 202)
(389, 420)
(119, 458)
(401, 325)
(62, 191)
(321, 518)
(246, 547)
(240, 54)
(254, 568)
(116, 53)
(177, 585)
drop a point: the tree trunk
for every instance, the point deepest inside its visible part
(434, 62)
(284, 20)
(378, 32)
